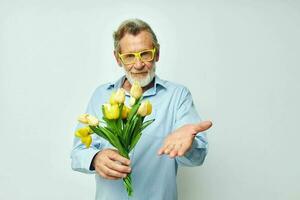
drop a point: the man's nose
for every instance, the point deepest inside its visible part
(139, 64)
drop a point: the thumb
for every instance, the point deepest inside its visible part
(203, 126)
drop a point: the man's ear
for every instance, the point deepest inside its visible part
(117, 58)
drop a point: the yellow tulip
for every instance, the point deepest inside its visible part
(136, 90)
(132, 101)
(84, 134)
(117, 97)
(87, 141)
(120, 96)
(88, 119)
(112, 99)
(125, 112)
(92, 121)
(111, 111)
(145, 108)
(83, 118)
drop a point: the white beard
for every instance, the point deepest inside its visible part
(143, 82)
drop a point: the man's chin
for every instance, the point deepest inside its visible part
(139, 78)
(143, 80)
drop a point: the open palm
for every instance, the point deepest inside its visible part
(180, 141)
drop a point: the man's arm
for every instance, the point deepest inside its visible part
(188, 143)
(101, 158)
(81, 156)
(197, 153)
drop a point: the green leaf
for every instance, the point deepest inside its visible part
(136, 127)
(112, 125)
(138, 132)
(133, 111)
(146, 123)
(135, 141)
(119, 120)
(112, 138)
(132, 127)
(98, 132)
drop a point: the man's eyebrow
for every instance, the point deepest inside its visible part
(139, 50)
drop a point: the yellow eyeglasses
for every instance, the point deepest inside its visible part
(131, 58)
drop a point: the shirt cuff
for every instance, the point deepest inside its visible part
(81, 160)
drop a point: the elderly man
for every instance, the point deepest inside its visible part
(173, 140)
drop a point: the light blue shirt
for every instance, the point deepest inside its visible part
(153, 176)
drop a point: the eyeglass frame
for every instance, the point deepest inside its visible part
(137, 55)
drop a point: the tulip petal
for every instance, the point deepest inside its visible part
(136, 90)
(83, 132)
(87, 141)
(83, 118)
(112, 99)
(92, 121)
(120, 96)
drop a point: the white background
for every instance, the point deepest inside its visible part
(240, 59)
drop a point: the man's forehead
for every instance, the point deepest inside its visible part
(141, 41)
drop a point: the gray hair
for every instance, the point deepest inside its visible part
(134, 27)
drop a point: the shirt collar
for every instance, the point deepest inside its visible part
(158, 84)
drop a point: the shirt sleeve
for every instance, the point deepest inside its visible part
(187, 114)
(81, 157)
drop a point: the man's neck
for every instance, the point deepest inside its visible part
(127, 86)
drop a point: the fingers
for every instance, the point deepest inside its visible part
(183, 149)
(104, 172)
(170, 149)
(108, 177)
(111, 165)
(162, 149)
(202, 126)
(117, 157)
(117, 167)
(108, 172)
(174, 150)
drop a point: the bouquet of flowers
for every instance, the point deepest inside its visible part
(122, 126)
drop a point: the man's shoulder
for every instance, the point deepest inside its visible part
(105, 86)
(102, 89)
(174, 86)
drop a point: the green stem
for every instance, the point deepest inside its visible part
(128, 185)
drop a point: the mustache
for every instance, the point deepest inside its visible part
(139, 72)
(132, 71)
